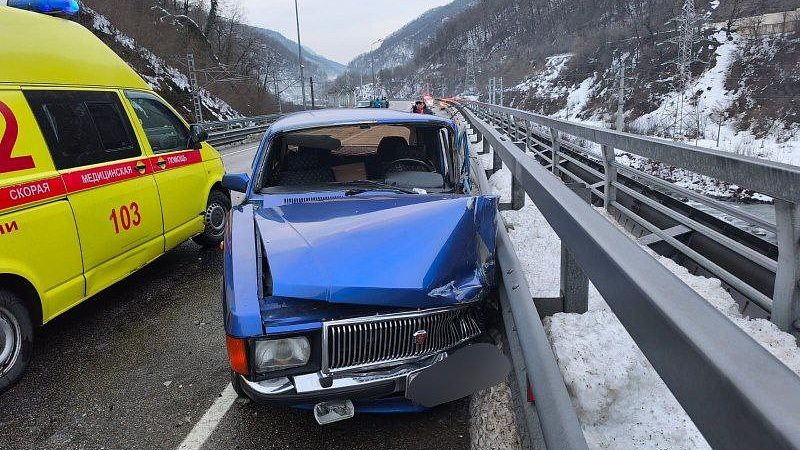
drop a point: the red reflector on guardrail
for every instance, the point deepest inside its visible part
(531, 397)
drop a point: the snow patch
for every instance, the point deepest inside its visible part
(578, 98)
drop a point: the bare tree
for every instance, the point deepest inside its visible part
(211, 19)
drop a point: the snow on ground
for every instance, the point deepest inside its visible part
(620, 400)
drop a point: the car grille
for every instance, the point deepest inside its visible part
(383, 340)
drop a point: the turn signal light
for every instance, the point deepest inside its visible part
(237, 354)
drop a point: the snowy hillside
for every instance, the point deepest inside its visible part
(169, 82)
(721, 106)
(735, 88)
(400, 47)
(242, 69)
(710, 102)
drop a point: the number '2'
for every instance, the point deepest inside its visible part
(10, 163)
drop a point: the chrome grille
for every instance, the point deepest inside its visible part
(377, 341)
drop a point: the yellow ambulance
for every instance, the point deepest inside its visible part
(98, 175)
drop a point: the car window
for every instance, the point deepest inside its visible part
(164, 130)
(82, 127)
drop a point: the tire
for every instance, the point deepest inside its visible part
(219, 203)
(236, 382)
(16, 339)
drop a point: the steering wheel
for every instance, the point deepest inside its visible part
(398, 165)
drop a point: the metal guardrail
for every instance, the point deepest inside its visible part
(780, 181)
(230, 131)
(551, 416)
(736, 392)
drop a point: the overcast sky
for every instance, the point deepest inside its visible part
(336, 29)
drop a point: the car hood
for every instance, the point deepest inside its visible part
(407, 251)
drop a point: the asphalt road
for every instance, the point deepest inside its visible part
(138, 365)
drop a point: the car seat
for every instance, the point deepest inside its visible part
(306, 165)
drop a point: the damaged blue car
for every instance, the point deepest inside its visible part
(359, 266)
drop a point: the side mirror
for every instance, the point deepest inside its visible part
(236, 182)
(197, 135)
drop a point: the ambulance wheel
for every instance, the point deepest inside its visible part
(219, 203)
(16, 339)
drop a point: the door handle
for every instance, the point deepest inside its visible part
(162, 163)
(141, 166)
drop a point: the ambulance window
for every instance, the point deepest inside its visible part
(164, 130)
(83, 128)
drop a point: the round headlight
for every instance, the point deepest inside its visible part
(279, 354)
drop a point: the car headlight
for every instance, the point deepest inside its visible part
(279, 354)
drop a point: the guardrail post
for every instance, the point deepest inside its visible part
(497, 162)
(517, 191)
(609, 190)
(486, 147)
(528, 135)
(574, 282)
(515, 127)
(786, 297)
(478, 135)
(556, 148)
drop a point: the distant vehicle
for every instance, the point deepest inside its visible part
(364, 104)
(359, 266)
(98, 174)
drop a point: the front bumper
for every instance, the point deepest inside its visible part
(314, 387)
(438, 379)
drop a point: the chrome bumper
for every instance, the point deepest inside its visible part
(315, 387)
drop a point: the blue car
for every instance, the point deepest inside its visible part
(360, 266)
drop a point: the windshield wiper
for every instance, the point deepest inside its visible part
(374, 186)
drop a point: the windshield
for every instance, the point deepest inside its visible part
(402, 156)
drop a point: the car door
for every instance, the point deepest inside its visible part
(109, 181)
(36, 224)
(179, 172)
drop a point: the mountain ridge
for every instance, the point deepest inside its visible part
(400, 46)
(331, 67)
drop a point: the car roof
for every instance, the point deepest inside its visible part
(333, 117)
(53, 51)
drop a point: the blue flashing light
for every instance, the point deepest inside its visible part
(65, 7)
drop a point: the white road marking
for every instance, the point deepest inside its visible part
(208, 423)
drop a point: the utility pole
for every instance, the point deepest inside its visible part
(277, 92)
(501, 91)
(196, 101)
(620, 66)
(621, 99)
(687, 39)
(470, 84)
(311, 82)
(372, 66)
(300, 54)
